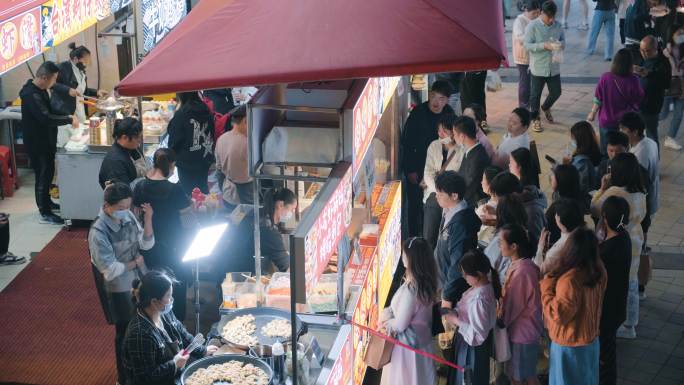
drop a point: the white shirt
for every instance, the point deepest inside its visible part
(81, 79)
(520, 55)
(476, 314)
(507, 146)
(433, 165)
(545, 262)
(646, 152)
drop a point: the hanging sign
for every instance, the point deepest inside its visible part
(19, 39)
(367, 112)
(62, 19)
(158, 19)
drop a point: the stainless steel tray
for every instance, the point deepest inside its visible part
(262, 316)
(222, 359)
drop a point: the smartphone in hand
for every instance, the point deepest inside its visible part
(550, 159)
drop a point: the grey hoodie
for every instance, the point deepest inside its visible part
(535, 204)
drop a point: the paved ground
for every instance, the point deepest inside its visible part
(657, 355)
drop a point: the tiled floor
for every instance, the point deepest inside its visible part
(26, 234)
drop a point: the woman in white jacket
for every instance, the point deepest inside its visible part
(409, 318)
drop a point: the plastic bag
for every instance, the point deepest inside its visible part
(502, 346)
(494, 81)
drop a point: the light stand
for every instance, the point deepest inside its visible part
(202, 246)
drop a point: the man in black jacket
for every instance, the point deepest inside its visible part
(475, 160)
(420, 130)
(655, 73)
(40, 135)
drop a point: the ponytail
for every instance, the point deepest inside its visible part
(163, 159)
(281, 194)
(474, 262)
(154, 285)
(77, 52)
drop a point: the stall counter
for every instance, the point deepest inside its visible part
(80, 194)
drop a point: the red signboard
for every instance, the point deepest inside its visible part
(10, 8)
(19, 39)
(322, 239)
(367, 113)
(366, 313)
(340, 374)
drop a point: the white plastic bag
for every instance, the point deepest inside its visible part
(502, 346)
(494, 81)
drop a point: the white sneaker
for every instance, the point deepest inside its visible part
(672, 144)
(627, 332)
(583, 27)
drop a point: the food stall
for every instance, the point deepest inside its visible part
(312, 132)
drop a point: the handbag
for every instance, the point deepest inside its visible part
(378, 353)
(502, 345)
(675, 88)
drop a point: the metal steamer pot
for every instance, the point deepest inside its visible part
(223, 358)
(262, 316)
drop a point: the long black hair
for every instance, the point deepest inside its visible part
(510, 210)
(475, 262)
(587, 144)
(625, 172)
(528, 173)
(422, 269)
(580, 252)
(567, 181)
(515, 234)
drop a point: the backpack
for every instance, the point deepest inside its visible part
(220, 120)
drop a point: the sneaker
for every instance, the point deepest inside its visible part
(536, 125)
(547, 115)
(672, 144)
(11, 259)
(51, 219)
(54, 206)
(583, 27)
(564, 25)
(627, 332)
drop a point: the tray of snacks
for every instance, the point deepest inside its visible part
(245, 328)
(230, 369)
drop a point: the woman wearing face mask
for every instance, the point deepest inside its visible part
(675, 53)
(173, 216)
(279, 207)
(72, 83)
(442, 154)
(115, 240)
(155, 339)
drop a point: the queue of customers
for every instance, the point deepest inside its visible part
(560, 277)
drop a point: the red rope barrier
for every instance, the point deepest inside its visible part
(403, 345)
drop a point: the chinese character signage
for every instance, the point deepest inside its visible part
(340, 374)
(318, 234)
(367, 113)
(19, 39)
(62, 19)
(158, 19)
(389, 244)
(366, 313)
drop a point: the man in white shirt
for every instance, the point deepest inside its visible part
(515, 137)
(232, 160)
(443, 154)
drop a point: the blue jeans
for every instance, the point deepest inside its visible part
(632, 318)
(574, 365)
(602, 18)
(677, 114)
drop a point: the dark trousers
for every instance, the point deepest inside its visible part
(651, 121)
(622, 31)
(537, 83)
(43, 165)
(4, 239)
(414, 214)
(523, 85)
(607, 358)
(118, 346)
(190, 178)
(473, 89)
(179, 299)
(432, 217)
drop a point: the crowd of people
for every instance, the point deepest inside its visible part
(560, 273)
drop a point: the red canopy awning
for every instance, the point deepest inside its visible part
(253, 42)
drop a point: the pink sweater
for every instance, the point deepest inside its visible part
(522, 302)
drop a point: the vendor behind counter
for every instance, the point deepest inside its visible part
(236, 251)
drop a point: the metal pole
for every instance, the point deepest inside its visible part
(257, 244)
(197, 298)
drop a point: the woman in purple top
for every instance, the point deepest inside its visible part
(617, 92)
(520, 307)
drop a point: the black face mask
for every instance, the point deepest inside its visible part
(81, 66)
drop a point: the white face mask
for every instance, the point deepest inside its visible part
(445, 141)
(286, 217)
(679, 39)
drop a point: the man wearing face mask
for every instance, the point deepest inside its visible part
(72, 77)
(115, 240)
(442, 154)
(419, 131)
